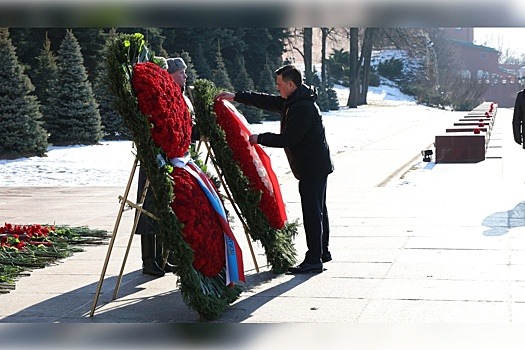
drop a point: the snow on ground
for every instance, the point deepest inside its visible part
(107, 164)
(110, 163)
(383, 95)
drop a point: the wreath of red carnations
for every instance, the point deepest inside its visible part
(202, 230)
(161, 100)
(249, 159)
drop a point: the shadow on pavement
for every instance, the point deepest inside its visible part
(138, 320)
(136, 304)
(500, 223)
(245, 307)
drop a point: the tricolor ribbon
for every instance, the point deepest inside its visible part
(234, 264)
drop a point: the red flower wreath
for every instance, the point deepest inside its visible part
(253, 161)
(202, 230)
(161, 100)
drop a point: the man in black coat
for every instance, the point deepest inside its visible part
(518, 118)
(303, 138)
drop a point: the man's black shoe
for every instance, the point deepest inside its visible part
(307, 268)
(150, 267)
(326, 257)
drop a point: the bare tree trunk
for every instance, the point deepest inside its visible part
(431, 61)
(307, 50)
(298, 35)
(366, 56)
(354, 68)
(324, 33)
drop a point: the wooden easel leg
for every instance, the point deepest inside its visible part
(133, 230)
(113, 237)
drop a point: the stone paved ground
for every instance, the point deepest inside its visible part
(411, 246)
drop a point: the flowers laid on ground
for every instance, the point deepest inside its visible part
(26, 247)
(253, 161)
(18, 236)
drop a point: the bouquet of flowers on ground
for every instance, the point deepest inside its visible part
(27, 247)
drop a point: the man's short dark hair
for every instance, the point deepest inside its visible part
(290, 72)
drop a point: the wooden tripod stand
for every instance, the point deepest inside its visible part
(123, 201)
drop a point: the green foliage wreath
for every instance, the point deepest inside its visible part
(278, 244)
(208, 296)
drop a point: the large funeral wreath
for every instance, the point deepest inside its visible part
(250, 196)
(154, 110)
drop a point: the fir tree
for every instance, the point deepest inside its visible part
(112, 122)
(267, 85)
(92, 42)
(201, 64)
(264, 46)
(267, 80)
(241, 79)
(242, 82)
(326, 98)
(220, 74)
(77, 118)
(20, 117)
(44, 79)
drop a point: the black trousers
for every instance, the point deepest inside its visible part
(146, 225)
(315, 216)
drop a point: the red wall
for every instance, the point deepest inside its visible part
(476, 58)
(459, 33)
(503, 94)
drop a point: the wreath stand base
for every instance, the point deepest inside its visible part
(139, 211)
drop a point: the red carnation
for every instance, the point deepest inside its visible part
(202, 229)
(161, 100)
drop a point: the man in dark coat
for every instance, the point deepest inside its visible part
(303, 138)
(518, 118)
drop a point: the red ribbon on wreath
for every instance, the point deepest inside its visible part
(253, 160)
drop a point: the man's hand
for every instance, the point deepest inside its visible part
(253, 139)
(225, 95)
